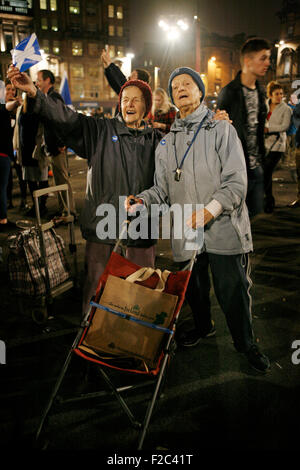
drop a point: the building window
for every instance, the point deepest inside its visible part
(93, 71)
(8, 40)
(43, 4)
(92, 27)
(44, 23)
(53, 5)
(290, 30)
(54, 25)
(45, 46)
(111, 11)
(91, 9)
(78, 90)
(120, 13)
(56, 47)
(77, 71)
(111, 30)
(287, 65)
(218, 73)
(120, 52)
(94, 91)
(74, 7)
(93, 48)
(120, 31)
(76, 48)
(112, 51)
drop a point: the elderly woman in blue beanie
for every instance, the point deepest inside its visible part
(201, 162)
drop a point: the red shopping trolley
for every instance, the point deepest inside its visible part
(94, 343)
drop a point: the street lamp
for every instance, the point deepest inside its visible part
(173, 27)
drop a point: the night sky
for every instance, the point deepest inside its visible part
(225, 17)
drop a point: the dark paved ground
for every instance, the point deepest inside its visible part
(211, 401)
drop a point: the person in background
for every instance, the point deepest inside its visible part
(6, 159)
(245, 101)
(277, 122)
(55, 146)
(115, 76)
(162, 114)
(290, 155)
(296, 118)
(10, 95)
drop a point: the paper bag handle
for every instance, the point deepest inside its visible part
(144, 273)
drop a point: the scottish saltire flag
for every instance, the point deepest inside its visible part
(65, 91)
(27, 53)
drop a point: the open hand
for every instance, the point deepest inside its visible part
(105, 58)
(21, 80)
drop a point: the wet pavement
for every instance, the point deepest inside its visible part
(211, 400)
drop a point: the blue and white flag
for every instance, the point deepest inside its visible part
(65, 91)
(27, 53)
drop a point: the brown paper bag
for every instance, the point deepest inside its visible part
(111, 334)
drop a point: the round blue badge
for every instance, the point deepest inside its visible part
(163, 142)
(114, 138)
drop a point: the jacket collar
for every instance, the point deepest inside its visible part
(237, 82)
(123, 129)
(192, 119)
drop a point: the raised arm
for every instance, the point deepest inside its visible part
(77, 131)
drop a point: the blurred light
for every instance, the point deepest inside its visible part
(173, 34)
(281, 42)
(213, 59)
(195, 17)
(130, 55)
(276, 45)
(182, 25)
(162, 24)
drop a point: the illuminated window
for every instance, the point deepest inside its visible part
(93, 48)
(93, 71)
(111, 30)
(111, 11)
(54, 25)
(74, 7)
(56, 47)
(44, 23)
(218, 73)
(78, 90)
(76, 48)
(43, 4)
(120, 51)
(120, 31)
(77, 71)
(120, 13)
(53, 5)
(45, 46)
(112, 50)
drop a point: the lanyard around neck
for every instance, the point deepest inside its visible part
(179, 167)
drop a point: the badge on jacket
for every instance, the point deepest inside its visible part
(114, 138)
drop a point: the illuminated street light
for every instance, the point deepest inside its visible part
(173, 34)
(213, 59)
(173, 29)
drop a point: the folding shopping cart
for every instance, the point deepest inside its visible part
(120, 267)
(37, 266)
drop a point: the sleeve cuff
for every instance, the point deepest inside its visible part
(214, 207)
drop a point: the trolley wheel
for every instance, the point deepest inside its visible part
(39, 314)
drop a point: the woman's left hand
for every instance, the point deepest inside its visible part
(199, 219)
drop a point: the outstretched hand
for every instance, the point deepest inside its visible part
(132, 204)
(21, 80)
(105, 58)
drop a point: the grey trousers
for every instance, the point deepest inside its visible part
(61, 176)
(96, 258)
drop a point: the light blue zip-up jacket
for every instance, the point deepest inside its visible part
(213, 169)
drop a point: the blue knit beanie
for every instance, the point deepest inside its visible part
(195, 76)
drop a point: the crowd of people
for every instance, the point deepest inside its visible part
(167, 149)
